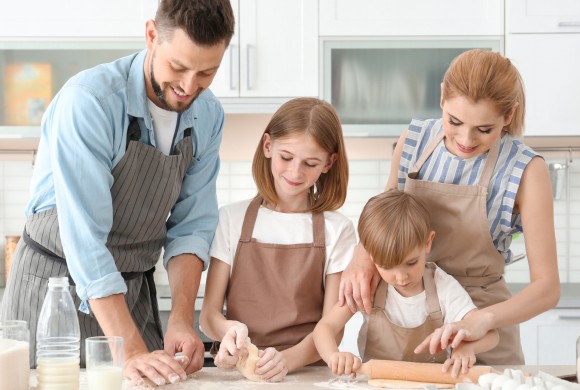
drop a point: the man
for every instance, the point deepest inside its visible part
(127, 164)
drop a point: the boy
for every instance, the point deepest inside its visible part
(413, 299)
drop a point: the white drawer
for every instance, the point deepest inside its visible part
(541, 16)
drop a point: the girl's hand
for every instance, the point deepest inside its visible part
(344, 363)
(461, 360)
(271, 366)
(232, 346)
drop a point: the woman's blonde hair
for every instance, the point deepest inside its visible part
(319, 120)
(478, 74)
(392, 225)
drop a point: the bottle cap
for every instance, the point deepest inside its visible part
(61, 281)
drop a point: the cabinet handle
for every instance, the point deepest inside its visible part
(569, 316)
(249, 81)
(233, 66)
(569, 24)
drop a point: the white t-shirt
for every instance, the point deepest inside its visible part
(164, 123)
(273, 227)
(410, 312)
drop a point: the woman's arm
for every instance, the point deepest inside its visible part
(305, 352)
(360, 279)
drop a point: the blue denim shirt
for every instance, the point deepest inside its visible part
(84, 132)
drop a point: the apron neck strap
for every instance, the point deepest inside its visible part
(428, 150)
(433, 306)
(318, 230)
(381, 295)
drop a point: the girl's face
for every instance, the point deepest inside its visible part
(407, 277)
(470, 128)
(296, 162)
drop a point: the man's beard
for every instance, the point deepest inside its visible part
(161, 96)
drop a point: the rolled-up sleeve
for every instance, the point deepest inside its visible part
(193, 220)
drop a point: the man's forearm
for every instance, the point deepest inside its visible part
(113, 316)
(184, 273)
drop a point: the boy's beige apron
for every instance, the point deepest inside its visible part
(379, 338)
(277, 290)
(463, 246)
(146, 185)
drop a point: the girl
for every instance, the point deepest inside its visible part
(277, 258)
(482, 185)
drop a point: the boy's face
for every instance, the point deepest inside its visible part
(407, 277)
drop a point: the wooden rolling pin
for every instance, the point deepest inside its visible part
(418, 372)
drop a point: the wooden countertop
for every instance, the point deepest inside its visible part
(306, 378)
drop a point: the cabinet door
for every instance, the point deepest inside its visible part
(557, 336)
(226, 82)
(535, 16)
(278, 48)
(549, 65)
(411, 17)
(79, 18)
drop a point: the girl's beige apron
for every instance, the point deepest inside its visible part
(463, 246)
(146, 185)
(379, 338)
(277, 290)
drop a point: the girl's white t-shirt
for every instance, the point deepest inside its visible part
(410, 312)
(273, 227)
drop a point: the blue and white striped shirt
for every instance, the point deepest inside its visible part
(444, 167)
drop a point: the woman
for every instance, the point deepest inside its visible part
(482, 185)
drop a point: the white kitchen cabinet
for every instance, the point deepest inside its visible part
(543, 42)
(76, 18)
(540, 16)
(550, 338)
(274, 52)
(411, 17)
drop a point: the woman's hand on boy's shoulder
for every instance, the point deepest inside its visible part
(344, 363)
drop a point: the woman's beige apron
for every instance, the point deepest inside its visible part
(277, 290)
(146, 185)
(379, 338)
(463, 246)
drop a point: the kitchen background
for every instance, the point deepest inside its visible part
(329, 49)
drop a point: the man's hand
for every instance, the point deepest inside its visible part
(158, 367)
(182, 338)
(358, 282)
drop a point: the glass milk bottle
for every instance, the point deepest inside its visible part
(58, 339)
(14, 351)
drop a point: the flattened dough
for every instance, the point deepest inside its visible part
(247, 364)
(399, 384)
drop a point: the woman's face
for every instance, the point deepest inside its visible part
(471, 128)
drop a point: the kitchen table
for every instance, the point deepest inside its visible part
(211, 378)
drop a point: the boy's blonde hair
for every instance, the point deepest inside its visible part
(392, 225)
(319, 120)
(478, 74)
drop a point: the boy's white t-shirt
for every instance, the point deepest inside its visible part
(273, 227)
(410, 312)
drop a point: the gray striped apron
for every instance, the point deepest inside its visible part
(146, 186)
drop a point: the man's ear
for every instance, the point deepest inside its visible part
(151, 34)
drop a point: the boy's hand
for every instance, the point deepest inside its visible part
(344, 363)
(271, 366)
(461, 360)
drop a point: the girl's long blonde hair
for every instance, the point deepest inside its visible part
(319, 120)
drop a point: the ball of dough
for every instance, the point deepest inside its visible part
(247, 364)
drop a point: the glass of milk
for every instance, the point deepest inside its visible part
(105, 359)
(14, 353)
